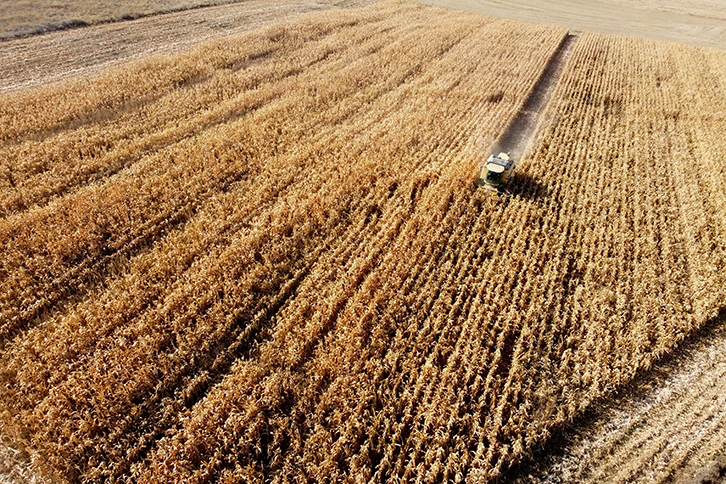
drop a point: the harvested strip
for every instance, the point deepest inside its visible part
(314, 290)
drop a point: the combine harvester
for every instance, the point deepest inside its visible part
(496, 173)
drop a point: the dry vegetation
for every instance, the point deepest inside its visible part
(266, 259)
(667, 425)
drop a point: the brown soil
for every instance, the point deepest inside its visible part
(621, 17)
(21, 18)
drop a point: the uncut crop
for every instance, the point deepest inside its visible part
(266, 259)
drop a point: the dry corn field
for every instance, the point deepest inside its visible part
(667, 425)
(265, 259)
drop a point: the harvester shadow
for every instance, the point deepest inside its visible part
(527, 187)
(554, 449)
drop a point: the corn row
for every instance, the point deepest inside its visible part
(291, 276)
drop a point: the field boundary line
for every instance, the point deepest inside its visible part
(640, 397)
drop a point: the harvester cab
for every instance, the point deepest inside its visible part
(495, 173)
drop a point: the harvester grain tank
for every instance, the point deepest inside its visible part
(496, 172)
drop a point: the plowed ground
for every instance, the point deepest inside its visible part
(37, 60)
(696, 22)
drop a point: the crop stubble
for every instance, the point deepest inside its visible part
(265, 259)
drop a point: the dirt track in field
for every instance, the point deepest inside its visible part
(708, 29)
(667, 426)
(519, 136)
(41, 59)
(670, 424)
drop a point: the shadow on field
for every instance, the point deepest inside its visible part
(526, 187)
(544, 459)
(714, 473)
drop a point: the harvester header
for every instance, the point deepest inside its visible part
(496, 172)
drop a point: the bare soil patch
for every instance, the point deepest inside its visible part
(669, 21)
(19, 18)
(41, 59)
(698, 8)
(519, 136)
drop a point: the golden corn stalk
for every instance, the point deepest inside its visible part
(264, 259)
